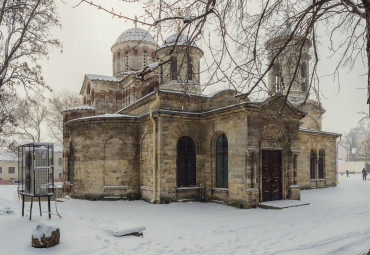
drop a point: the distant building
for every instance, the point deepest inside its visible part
(8, 168)
(343, 153)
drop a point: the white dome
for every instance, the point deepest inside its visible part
(136, 34)
(183, 40)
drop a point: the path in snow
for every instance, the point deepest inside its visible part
(335, 222)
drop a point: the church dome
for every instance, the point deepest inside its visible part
(135, 34)
(183, 40)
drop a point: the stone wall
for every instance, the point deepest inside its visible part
(104, 157)
(114, 156)
(313, 140)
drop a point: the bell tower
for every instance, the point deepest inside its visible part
(290, 66)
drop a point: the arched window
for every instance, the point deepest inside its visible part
(118, 61)
(190, 69)
(321, 164)
(118, 96)
(92, 95)
(304, 77)
(126, 61)
(173, 69)
(186, 163)
(295, 162)
(144, 59)
(88, 89)
(277, 78)
(312, 164)
(222, 162)
(161, 74)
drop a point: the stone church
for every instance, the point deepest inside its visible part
(148, 132)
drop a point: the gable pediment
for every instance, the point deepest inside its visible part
(277, 107)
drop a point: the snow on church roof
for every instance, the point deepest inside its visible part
(183, 39)
(135, 34)
(102, 77)
(80, 107)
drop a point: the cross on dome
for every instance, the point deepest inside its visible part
(135, 22)
(179, 11)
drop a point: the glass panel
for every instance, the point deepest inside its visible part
(226, 170)
(190, 146)
(181, 171)
(225, 144)
(219, 171)
(219, 144)
(191, 170)
(181, 145)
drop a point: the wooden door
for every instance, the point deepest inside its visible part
(271, 175)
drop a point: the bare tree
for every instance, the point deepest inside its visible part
(59, 102)
(350, 139)
(24, 39)
(30, 115)
(8, 121)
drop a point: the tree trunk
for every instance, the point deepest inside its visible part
(367, 12)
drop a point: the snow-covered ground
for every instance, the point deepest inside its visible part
(337, 221)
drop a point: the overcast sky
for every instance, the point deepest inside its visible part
(87, 35)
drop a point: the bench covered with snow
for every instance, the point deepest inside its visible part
(126, 230)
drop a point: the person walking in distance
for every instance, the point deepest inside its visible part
(364, 173)
(347, 173)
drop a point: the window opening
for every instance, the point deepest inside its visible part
(222, 162)
(312, 164)
(321, 164)
(174, 69)
(190, 69)
(186, 162)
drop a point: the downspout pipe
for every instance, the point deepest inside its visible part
(340, 139)
(154, 164)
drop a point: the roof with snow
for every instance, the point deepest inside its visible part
(8, 156)
(105, 116)
(135, 34)
(80, 107)
(102, 77)
(182, 39)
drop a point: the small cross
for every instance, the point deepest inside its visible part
(135, 22)
(179, 11)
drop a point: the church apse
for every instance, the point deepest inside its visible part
(115, 168)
